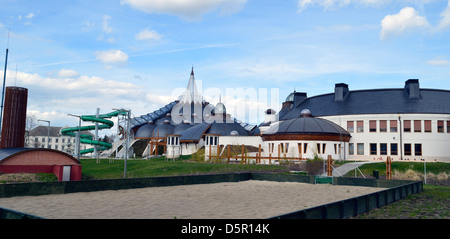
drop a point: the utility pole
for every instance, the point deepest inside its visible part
(4, 82)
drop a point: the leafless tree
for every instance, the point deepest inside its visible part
(31, 123)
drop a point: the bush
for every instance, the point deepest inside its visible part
(314, 166)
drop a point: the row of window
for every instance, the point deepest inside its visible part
(408, 126)
(284, 148)
(56, 140)
(383, 149)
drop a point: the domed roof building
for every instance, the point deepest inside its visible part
(306, 128)
(189, 113)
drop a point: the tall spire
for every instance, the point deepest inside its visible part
(191, 94)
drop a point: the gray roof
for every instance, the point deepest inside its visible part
(195, 133)
(307, 125)
(378, 101)
(54, 131)
(145, 131)
(163, 130)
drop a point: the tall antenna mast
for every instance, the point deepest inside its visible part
(4, 81)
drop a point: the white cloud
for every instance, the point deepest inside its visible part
(330, 4)
(106, 28)
(147, 34)
(186, 9)
(63, 73)
(439, 62)
(111, 56)
(445, 22)
(406, 21)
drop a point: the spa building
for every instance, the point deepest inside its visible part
(407, 123)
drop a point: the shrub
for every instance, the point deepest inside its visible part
(314, 166)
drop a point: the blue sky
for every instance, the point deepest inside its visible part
(75, 56)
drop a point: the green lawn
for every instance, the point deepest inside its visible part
(160, 167)
(432, 203)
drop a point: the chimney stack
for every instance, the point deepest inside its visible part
(14, 118)
(412, 88)
(340, 92)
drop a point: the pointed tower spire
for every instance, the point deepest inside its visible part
(191, 94)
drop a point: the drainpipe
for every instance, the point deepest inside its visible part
(401, 143)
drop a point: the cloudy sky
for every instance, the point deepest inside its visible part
(79, 55)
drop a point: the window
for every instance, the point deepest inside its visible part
(383, 149)
(43, 139)
(323, 148)
(360, 149)
(299, 148)
(318, 148)
(407, 126)
(351, 149)
(360, 126)
(448, 126)
(305, 148)
(440, 126)
(427, 124)
(417, 126)
(350, 127)
(287, 148)
(393, 124)
(383, 125)
(394, 149)
(408, 149)
(372, 126)
(418, 149)
(373, 149)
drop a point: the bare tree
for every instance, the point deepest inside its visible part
(31, 123)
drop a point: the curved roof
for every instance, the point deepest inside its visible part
(306, 125)
(11, 152)
(163, 130)
(195, 132)
(145, 131)
(378, 101)
(181, 127)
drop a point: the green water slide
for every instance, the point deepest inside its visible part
(104, 123)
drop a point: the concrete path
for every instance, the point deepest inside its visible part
(343, 169)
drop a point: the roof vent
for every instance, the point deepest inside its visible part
(412, 89)
(340, 92)
(306, 113)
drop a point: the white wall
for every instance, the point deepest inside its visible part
(435, 146)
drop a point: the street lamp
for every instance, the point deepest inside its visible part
(127, 134)
(48, 131)
(78, 134)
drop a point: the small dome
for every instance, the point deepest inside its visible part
(163, 130)
(220, 108)
(145, 131)
(234, 133)
(305, 113)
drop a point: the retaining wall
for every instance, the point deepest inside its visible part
(396, 190)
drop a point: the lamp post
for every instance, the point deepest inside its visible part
(127, 136)
(77, 147)
(48, 132)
